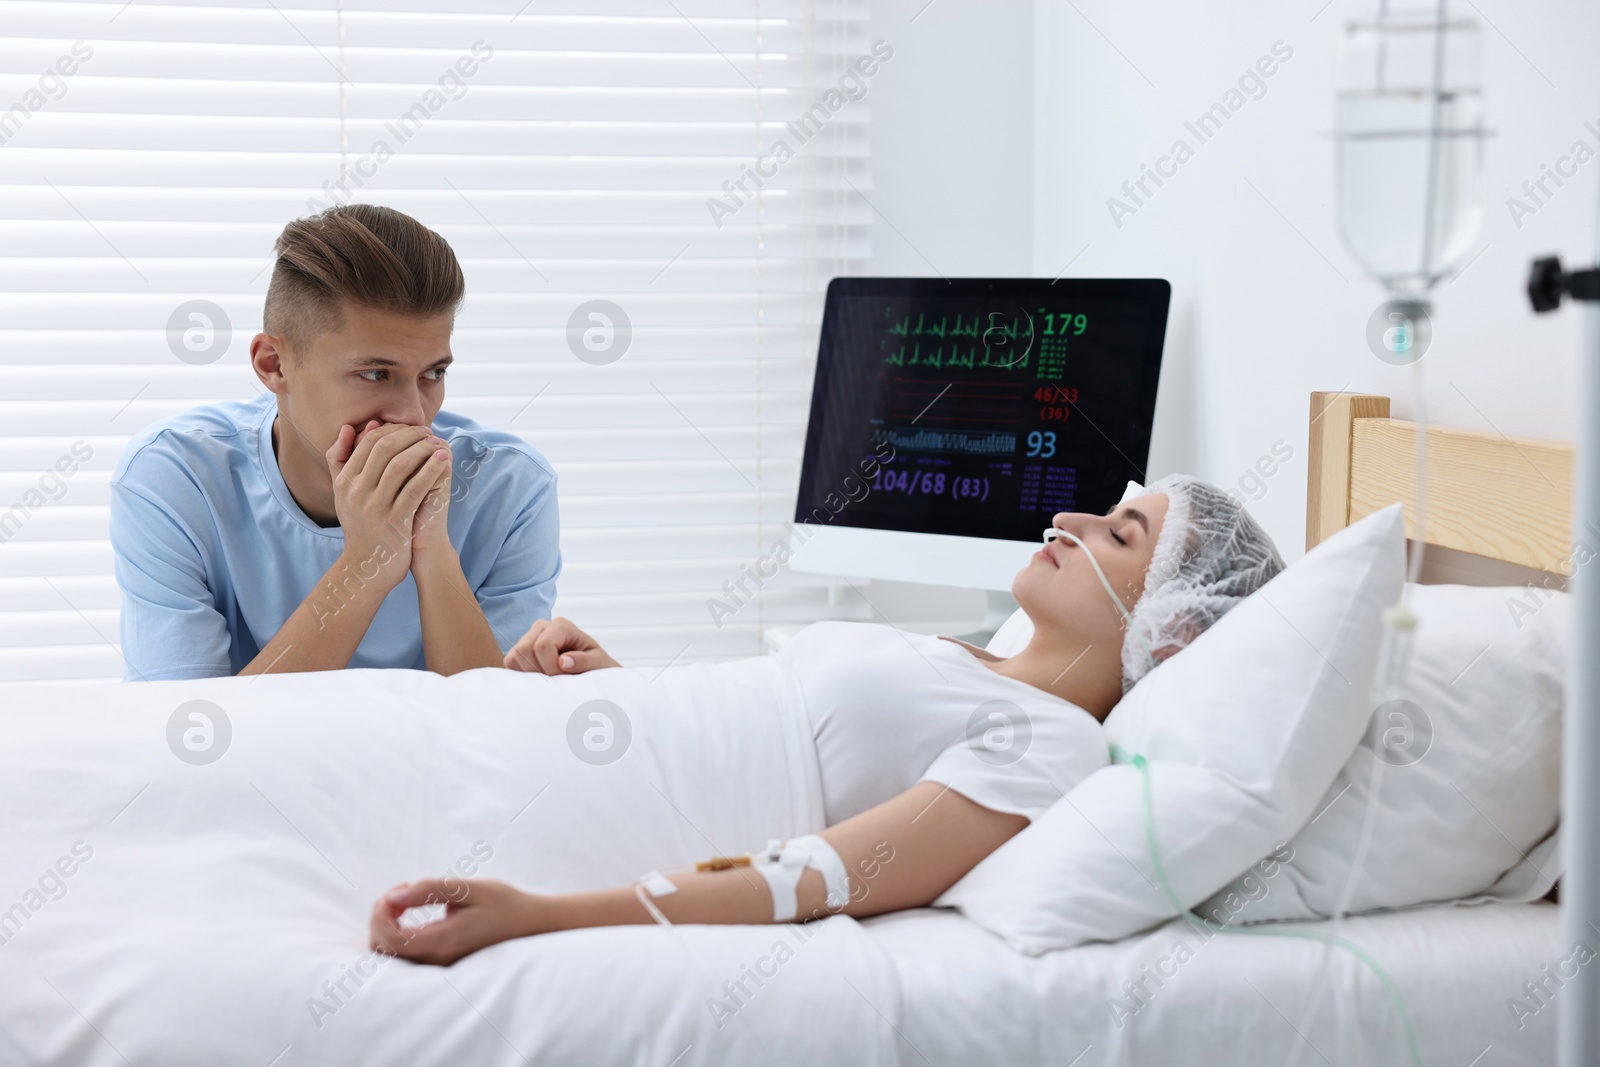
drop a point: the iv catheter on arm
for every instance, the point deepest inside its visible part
(901, 854)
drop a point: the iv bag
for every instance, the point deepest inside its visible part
(1409, 147)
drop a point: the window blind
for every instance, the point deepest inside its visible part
(623, 151)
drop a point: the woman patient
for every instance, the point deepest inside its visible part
(930, 753)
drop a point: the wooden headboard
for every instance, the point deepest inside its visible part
(1506, 498)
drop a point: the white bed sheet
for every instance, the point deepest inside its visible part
(219, 899)
(215, 914)
(968, 998)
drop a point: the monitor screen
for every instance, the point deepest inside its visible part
(980, 407)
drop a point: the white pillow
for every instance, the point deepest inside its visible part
(1471, 783)
(1244, 730)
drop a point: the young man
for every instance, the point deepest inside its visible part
(341, 519)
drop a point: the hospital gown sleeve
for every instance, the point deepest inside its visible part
(1021, 760)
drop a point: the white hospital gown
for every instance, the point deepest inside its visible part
(888, 709)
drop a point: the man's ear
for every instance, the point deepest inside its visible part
(267, 358)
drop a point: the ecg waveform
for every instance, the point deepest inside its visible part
(1004, 345)
(972, 359)
(975, 444)
(941, 329)
(1021, 344)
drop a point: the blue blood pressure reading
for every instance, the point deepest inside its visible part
(929, 483)
(976, 417)
(1040, 443)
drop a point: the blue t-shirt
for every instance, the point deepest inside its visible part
(213, 554)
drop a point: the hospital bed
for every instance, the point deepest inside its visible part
(153, 912)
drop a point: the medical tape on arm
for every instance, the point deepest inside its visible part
(783, 864)
(654, 884)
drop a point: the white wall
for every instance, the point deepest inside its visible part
(952, 174)
(1000, 130)
(1246, 230)
(952, 136)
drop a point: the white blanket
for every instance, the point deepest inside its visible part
(969, 998)
(156, 909)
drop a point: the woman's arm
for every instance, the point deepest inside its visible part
(901, 854)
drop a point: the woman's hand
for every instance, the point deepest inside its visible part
(478, 914)
(556, 646)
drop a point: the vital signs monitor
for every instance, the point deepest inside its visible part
(952, 418)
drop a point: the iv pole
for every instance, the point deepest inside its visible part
(1578, 1010)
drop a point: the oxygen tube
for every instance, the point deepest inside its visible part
(1121, 755)
(1127, 620)
(1394, 657)
(1399, 625)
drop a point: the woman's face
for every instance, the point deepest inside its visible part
(1058, 588)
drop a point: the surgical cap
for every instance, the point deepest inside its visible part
(1209, 556)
